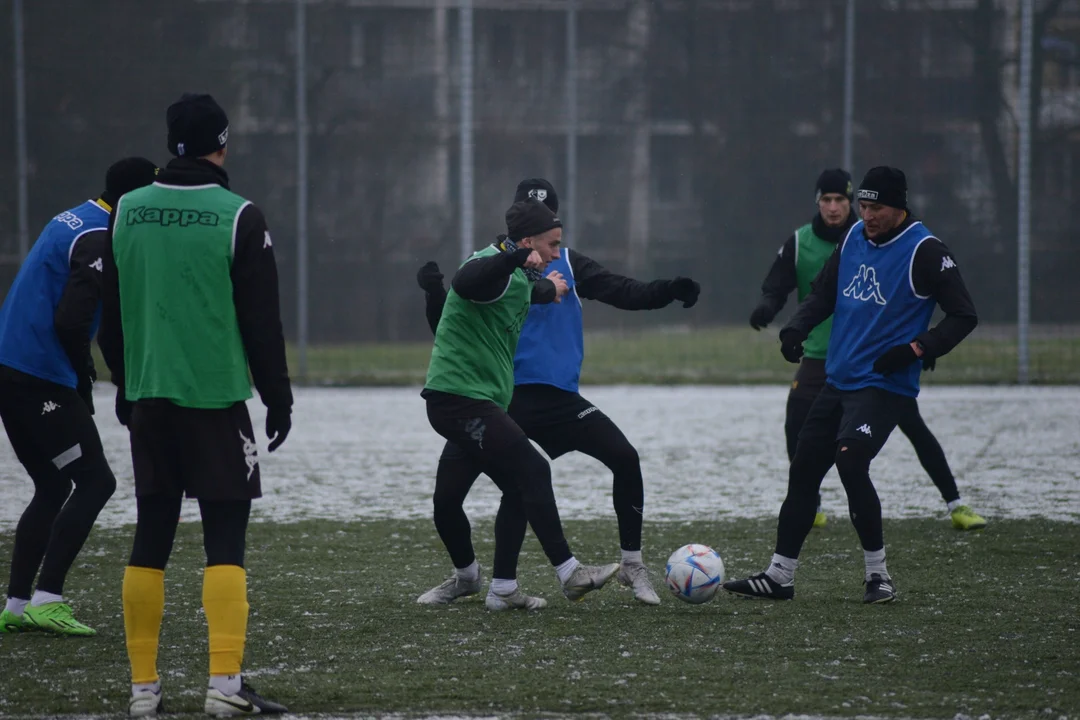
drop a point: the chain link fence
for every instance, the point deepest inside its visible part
(688, 144)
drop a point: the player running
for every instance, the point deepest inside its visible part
(46, 401)
(546, 403)
(469, 385)
(798, 263)
(191, 302)
(881, 286)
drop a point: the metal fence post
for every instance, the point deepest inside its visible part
(302, 188)
(1023, 185)
(849, 86)
(21, 162)
(465, 32)
(571, 123)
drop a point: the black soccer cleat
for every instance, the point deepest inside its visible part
(879, 590)
(245, 702)
(761, 586)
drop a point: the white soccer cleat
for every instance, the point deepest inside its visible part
(516, 600)
(145, 703)
(450, 590)
(587, 578)
(245, 702)
(636, 576)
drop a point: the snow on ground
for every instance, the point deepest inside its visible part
(707, 453)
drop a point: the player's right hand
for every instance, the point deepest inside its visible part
(791, 341)
(761, 317)
(534, 261)
(561, 288)
(429, 278)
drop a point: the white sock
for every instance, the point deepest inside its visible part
(500, 586)
(875, 563)
(225, 684)
(470, 573)
(632, 557)
(154, 687)
(782, 569)
(955, 504)
(16, 605)
(567, 569)
(41, 598)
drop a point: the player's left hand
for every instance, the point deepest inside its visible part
(686, 290)
(895, 359)
(278, 424)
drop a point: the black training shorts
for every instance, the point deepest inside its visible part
(205, 454)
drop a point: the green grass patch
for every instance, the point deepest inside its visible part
(706, 356)
(986, 625)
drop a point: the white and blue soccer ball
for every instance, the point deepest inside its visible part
(694, 573)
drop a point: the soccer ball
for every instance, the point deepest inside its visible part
(694, 573)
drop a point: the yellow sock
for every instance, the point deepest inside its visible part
(225, 602)
(144, 604)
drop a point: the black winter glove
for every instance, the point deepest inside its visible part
(929, 363)
(895, 358)
(791, 341)
(761, 317)
(686, 290)
(278, 424)
(85, 388)
(123, 408)
(429, 278)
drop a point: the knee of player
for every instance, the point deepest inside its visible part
(852, 458)
(627, 458)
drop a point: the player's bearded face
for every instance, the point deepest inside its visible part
(834, 209)
(878, 218)
(546, 245)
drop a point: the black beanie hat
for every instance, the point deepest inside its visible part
(833, 181)
(197, 126)
(126, 175)
(529, 218)
(885, 185)
(540, 189)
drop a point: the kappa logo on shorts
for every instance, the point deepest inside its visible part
(49, 406)
(476, 428)
(864, 428)
(250, 454)
(586, 411)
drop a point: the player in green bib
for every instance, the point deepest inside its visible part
(469, 385)
(189, 305)
(799, 261)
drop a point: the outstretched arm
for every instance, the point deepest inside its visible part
(595, 282)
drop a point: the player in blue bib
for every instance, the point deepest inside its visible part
(47, 376)
(881, 286)
(547, 404)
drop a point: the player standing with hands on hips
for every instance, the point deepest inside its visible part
(469, 385)
(190, 304)
(797, 264)
(881, 287)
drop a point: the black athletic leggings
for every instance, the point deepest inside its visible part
(59, 447)
(561, 421)
(224, 530)
(810, 379)
(481, 437)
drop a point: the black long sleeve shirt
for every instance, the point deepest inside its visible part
(782, 279)
(255, 292)
(934, 274)
(74, 316)
(592, 281)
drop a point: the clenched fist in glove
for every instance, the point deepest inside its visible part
(791, 341)
(429, 278)
(761, 317)
(685, 290)
(895, 359)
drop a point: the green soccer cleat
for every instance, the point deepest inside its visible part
(964, 518)
(55, 617)
(820, 519)
(11, 623)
